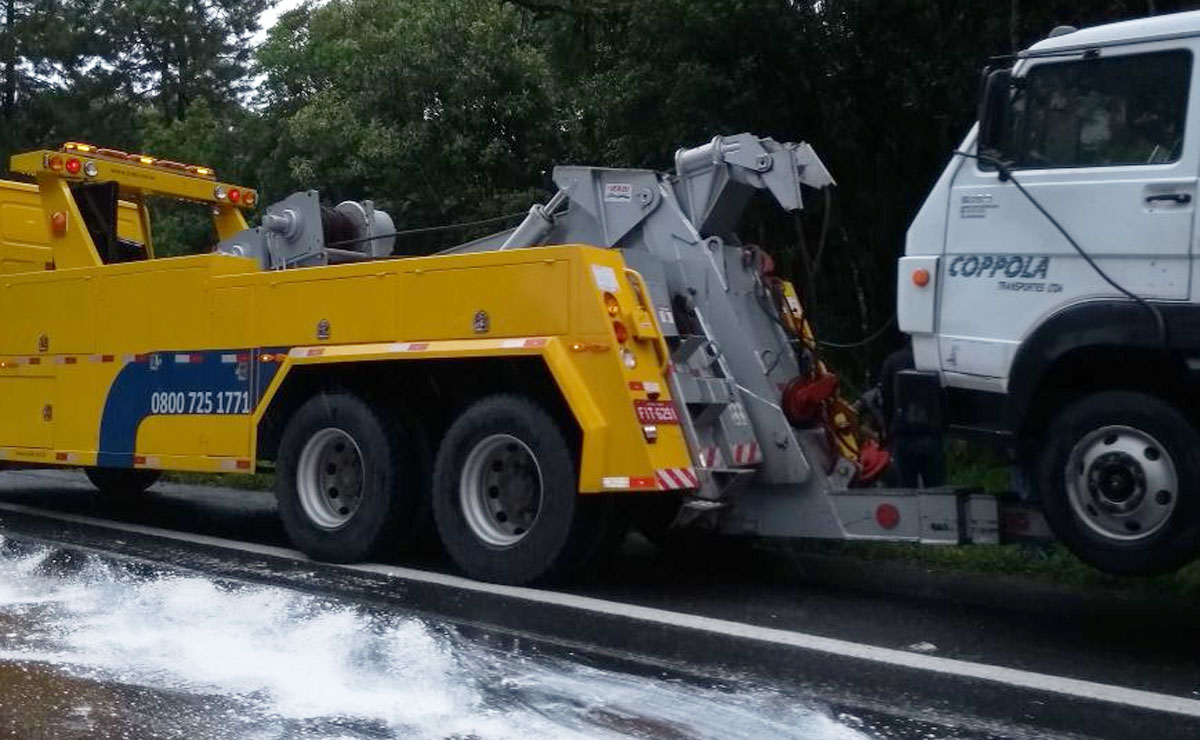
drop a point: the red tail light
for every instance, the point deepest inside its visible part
(621, 332)
(73, 166)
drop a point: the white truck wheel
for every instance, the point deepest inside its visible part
(1119, 481)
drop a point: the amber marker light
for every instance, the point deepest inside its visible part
(611, 305)
(58, 223)
(920, 277)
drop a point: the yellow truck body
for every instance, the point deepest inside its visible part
(177, 363)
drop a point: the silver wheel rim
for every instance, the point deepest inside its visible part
(500, 491)
(1122, 483)
(329, 478)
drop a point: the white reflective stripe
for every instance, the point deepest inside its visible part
(615, 482)
(1061, 685)
(182, 359)
(513, 344)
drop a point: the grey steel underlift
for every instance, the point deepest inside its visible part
(731, 357)
(730, 353)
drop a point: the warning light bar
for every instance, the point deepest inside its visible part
(88, 162)
(75, 147)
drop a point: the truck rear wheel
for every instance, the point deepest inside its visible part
(505, 497)
(1119, 480)
(347, 483)
(122, 482)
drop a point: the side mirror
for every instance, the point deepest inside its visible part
(993, 110)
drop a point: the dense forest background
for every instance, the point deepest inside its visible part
(446, 111)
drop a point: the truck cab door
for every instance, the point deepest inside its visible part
(1105, 142)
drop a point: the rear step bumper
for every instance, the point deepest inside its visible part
(950, 516)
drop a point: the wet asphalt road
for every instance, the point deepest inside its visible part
(1104, 637)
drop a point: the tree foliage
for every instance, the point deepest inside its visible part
(454, 110)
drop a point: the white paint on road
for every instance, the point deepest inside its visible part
(1061, 685)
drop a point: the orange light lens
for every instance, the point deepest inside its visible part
(920, 277)
(73, 166)
(249, 197)
(58, 223)
(621, 332)
(611, 305)
(55, 163)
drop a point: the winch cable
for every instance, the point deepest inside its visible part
(765, 304)
(862, 342)
(428, 229)
(1006, 175)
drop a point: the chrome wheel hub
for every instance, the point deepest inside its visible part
(1121, 483)
(329, 478)
(500, 491)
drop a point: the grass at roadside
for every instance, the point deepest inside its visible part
(252, 482)
(1044, 563)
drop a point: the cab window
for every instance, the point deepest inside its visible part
(1099, 112)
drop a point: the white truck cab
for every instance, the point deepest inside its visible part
(1049, 285)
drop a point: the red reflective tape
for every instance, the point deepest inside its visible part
(641, 483)
(71, 360)
(35, 360)
(196, 357)
(636, 385)
(243, 464)
(663, 481)
(675, 477)
(139, 460)
(315, 352)
(243, 357)
(535, 342)
(418, 347)
(61, 456)
(690, 476)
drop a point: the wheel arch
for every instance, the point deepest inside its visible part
(1096, 346)
(427, 392)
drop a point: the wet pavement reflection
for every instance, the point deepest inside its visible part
(93, 647)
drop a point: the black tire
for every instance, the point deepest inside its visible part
(564, 535)
(382, 514)
(1127, 451)
(122, 482)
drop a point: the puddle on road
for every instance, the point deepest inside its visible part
(96, 648)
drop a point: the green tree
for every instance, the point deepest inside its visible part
(441, 110)
(175, 52)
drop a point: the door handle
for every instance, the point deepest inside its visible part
(1178, 198)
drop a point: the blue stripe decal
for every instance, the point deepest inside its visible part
(211, 382)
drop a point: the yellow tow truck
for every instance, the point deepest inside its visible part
(513, 393)
(620, 353)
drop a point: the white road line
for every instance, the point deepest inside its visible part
(1062, 685)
